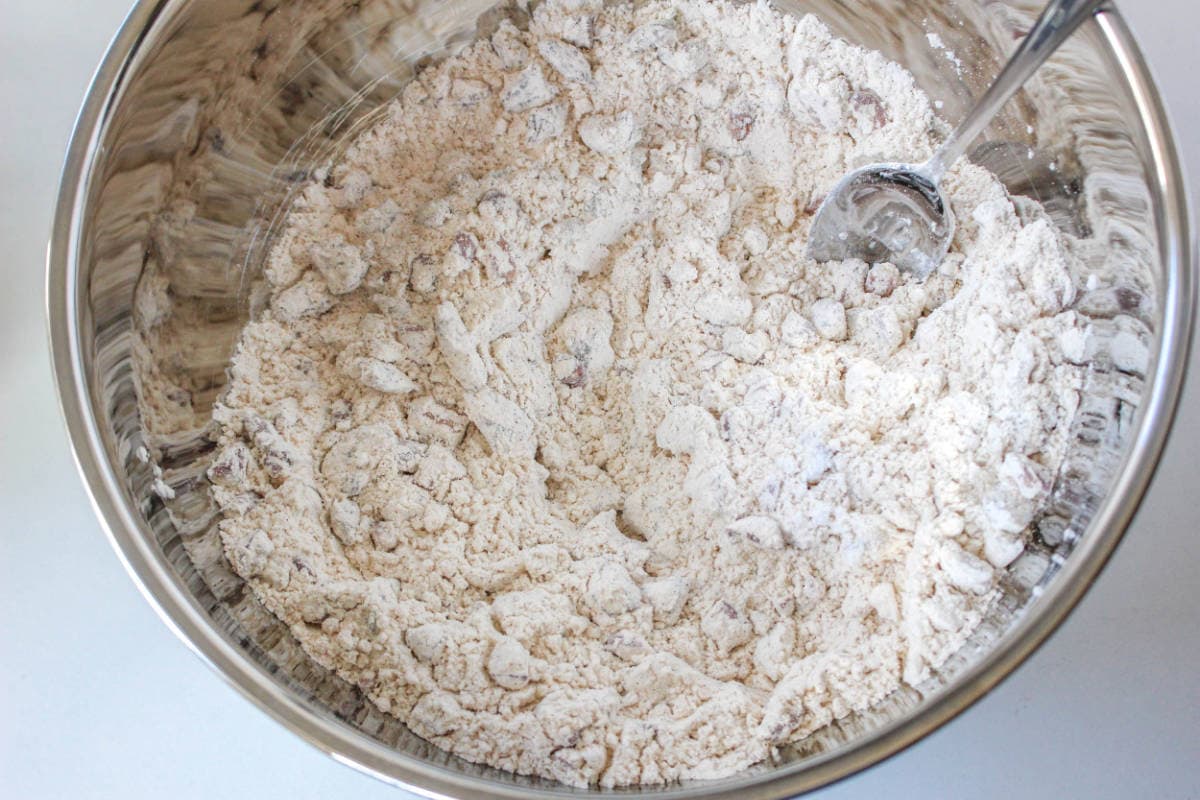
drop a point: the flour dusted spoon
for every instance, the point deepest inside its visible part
(896, 212)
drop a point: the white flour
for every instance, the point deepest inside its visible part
(554, 442)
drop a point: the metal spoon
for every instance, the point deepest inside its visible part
(896, 212)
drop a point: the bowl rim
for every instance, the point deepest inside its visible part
(182, 614)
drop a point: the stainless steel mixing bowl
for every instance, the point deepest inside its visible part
(207, 113)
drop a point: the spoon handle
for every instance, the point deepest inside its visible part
(1056, 24)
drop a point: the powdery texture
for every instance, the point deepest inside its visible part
(554, 442)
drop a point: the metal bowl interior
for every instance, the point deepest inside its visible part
(205, 114)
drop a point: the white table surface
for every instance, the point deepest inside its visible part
(98, 699)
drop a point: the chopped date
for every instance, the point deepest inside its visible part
(870, 105)
(740, 125)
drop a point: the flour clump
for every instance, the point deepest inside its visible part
(553, 441)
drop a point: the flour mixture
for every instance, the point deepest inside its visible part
(553, 440)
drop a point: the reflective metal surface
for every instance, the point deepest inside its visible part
(896, 212)
(207, 113)
(884, 212)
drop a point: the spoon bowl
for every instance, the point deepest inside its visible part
(884, 213)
